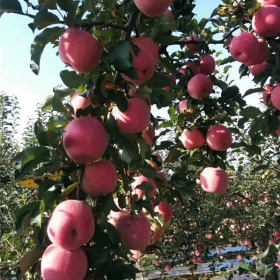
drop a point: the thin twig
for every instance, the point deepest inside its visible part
(79, 188)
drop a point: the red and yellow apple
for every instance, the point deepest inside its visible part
(192, 140)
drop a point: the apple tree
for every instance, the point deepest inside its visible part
(102, 199)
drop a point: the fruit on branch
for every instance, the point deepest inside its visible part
(197, 253)
(244, 47)
(135, 232)
(144, 66)
(135, 119)
(138, 181)
(214, 180)
(195, 69)
(79, 102)
(207, 65)
(239, 257)
(165, 210)
(258, 69)
(262, 55)
(266, 21)
(148, 135)
(267, 95)
(154, 164)
(133, 93)
(172, 83)
(58, 263)
(168, 268)
(100, 178)
(71, 225)
(183, 107)
(192, 47)
(200, 87)
(152, 8)
(85, 140)
(158, 234)
(210, 236)
(219, 138)
(80, 50)
(192, 140)
(271, 2)
(275, 97)
(149, 44)
(114, 217)
(169, 14)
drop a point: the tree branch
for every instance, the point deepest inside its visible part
(110, 25)
(79, 188)
(23, 14)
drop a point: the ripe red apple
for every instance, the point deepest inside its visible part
(100, 178)
(277, 234)
(197, 253)
(200, 87)
(244, 47)
(113, 217)
(153, 8)
(135, 119)
(207, 65)
(138, 181)
(183, 106)
(258, 69)
(165, 210)
(262, 55)
(219, 138)
(149, 134)
(214, 180)
(271, 2)
(275, 97)
(85, 140)
(147, 139)
(192, 66)
(172, 83)
(168, 268)
(192, 140)
(58, 264)
(241, 258)
(266, 21)
(192, 47)
(210, 236)
(71, 225)
(80, 50)
(277, 264)
(156, 262)
(79, 102)
(169, 14)
(135, 232)
(148, 44)
(144, 66)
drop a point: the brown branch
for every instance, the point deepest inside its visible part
(79, 188)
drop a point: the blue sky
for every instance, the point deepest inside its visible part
(16, 77)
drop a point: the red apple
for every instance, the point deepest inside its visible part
(135, 232)
(200, 87)
(192, 47)
(241, 258)
(165, 210)
(192, 66)
(214, 180)
(152, 8)
(277, 234)
(192, 140)
(210, 236)
(158, 234)
(183, 107)
(266, 21)
(58, 264)
(85, 140)
(135, 119)
(138, 181)
(149, 134)
(144, 66)
(100, 178)
(277, 264)
(168, 268)
(207, 65)
(219, 138)
(163, 178)
(262, 55)
(197, 253)
(113, 217)
(271, 2)
(148, 44)
(80, 50)
(71, 225)
(244, 47)
(154, 165)
(79, 102)
(275, 97)
(258, 69)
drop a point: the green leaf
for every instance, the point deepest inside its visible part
(34, 153)
(49, 4)
(250, 112)
(30, 259)
(44, 19)
(152, 174)
(10, 6)
(89, 5)
(271, 250)
(120, 100)
(58, 105)
(174, 154)
(253, 90)
(65, 5)
(71, 79)
(113, 234)
(203, 23)
(40, 41)
(159, 80)
(127, 149)
(253, 150)
(265, 270)
(215, 12)
(219, 83)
